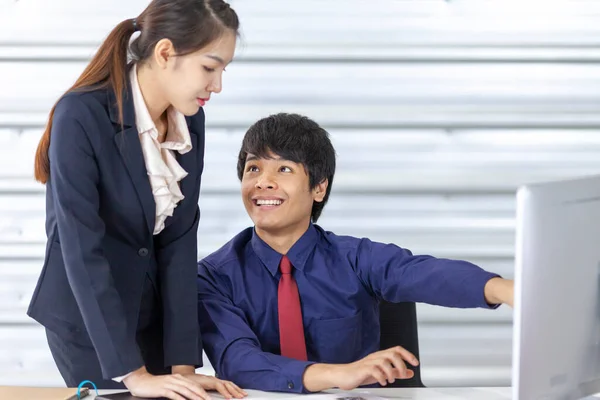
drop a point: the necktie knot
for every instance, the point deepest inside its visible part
(285, 265)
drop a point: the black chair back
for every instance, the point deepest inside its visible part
(399, 328)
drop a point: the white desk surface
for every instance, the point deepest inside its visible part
(502, 393)
(454, 393)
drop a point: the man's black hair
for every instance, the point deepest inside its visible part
(294, 138)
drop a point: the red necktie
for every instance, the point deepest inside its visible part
(291, 330)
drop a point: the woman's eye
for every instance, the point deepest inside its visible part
(209, 69)
(285, 169)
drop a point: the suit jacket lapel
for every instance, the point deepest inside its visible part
(130, 148)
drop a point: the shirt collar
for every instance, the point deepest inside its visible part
(178, 133)
(298, 254)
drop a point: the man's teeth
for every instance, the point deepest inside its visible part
(268, 202)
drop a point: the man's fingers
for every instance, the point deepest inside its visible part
(406, 355)
(378, 374)
(385, 367)
(399, 365)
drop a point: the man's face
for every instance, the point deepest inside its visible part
(277, 194)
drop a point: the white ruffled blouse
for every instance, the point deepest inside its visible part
(163, 169)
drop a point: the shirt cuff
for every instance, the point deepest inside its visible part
(485, 277)
(293, 374)
(121, 378)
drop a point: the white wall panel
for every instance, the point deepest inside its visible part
(438, 111)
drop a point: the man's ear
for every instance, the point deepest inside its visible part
(320, 190)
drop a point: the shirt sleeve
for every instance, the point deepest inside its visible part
(232, 347)
(394, 274)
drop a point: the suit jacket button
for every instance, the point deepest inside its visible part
(143, 252)
(290, 385)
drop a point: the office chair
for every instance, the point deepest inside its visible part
(399, 328)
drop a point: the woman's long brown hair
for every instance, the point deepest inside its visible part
(107, 67)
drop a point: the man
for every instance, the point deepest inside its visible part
(288, 306)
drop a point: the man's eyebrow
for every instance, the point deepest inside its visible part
(252, 157)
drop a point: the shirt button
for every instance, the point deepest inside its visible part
(290, 385)
(143, 252)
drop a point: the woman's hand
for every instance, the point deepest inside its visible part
(227, 389)
(176, 387)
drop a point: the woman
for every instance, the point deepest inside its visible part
(122, 157)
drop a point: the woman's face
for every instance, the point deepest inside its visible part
(188, 81)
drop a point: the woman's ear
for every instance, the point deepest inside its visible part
(163, 51)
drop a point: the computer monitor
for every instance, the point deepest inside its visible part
(556, 336)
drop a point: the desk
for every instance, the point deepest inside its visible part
(455, 393)
(503, 393)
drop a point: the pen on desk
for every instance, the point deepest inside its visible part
(82, 393)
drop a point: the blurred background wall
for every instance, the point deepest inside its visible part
(438, 111)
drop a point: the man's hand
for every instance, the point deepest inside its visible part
(383, 366)
(499, 291)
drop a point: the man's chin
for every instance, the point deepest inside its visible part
(268, 227)
(271, 226)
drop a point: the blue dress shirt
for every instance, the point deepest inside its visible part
(341, 280)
